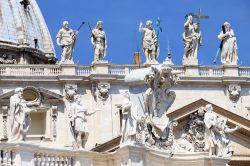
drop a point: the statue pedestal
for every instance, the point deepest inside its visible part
(231, 70)
(100, 62)
(67, 62)
(68, 69)
(192, 70)
(189, 62)
(151, 63)
(100, 67)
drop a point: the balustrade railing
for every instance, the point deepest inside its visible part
(44, 159)
(218, 71)
(132, 68)
(83, 70)
(180, 70)
(117, 70)
(30, 70)
(56, 70)
(6, 157)
(244, 71)
(211, 71)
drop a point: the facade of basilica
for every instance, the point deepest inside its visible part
(63, 114)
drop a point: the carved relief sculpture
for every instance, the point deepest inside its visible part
(234, 92)
(150, 43)
(154, 124)
(7, 59)
(193, 136)
(103, 91)
(70, 90)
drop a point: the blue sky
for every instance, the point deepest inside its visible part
(122, 17)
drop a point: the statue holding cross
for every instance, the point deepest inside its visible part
(192, 39)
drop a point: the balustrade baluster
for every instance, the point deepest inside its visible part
(9, 158)
(5, 157)
(53, 161)
(42, 160)
(57, 160)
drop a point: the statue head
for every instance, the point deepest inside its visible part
(227, 26)
(201, 112)
(77, 99)
(189, 17)
(209, 108)
(65, 24)
(149, 24)
(19, 92)
(4, 56)
(99, 24)
(126, 95)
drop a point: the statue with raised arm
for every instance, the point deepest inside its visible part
(78, 122)
(66, 38)
(229, 49)
(99, 42)
(192, 42)
(150, 43)
(19, 116)
(217, 133)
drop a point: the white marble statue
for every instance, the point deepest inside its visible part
(78, 122)
(19, 116)
(99, 42)
(217, 134)
(150, 43)
(155, 127)
(192, 42)
(130, 118)
(229, 50)
(66, 38)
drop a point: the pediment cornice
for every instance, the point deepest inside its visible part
(233, 119)
(49, 94)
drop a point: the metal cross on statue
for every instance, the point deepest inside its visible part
(199, 17)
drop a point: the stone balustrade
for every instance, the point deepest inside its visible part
(27, 154)
(21, 154)
(121, 70)
(244, 71)
(211, 71)
(44, 159)
(7, 157)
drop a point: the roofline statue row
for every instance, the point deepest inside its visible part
(66, 39)
(192, 38)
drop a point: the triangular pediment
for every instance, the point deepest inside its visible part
(49, 94)
(233, 119)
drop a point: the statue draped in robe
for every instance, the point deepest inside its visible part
(66, 38)
(192, 42)
(229, 50)
(19, 116)
(129, 127)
